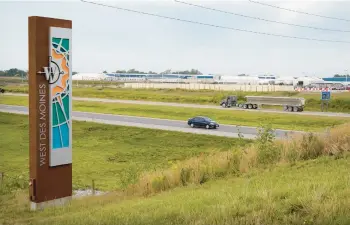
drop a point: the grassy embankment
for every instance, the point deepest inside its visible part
(234, 117)
(340, 102)
(301, 181)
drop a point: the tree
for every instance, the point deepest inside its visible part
(13, 72)
(135, 71)
(338, 75)
(168, 71)
(104, 71)
(192, 72)
(132, 71)
(195, 72)
(74, 73)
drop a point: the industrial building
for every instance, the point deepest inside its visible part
(214, 79)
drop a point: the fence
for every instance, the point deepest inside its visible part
(220, 87)
(303, 89)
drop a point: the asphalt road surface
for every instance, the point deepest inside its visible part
(162, 124)
(106, 100)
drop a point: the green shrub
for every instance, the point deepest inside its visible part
(268, 152)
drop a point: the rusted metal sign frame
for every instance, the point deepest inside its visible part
(47, 182)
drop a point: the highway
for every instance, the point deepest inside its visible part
(162, 124)
(138, 102)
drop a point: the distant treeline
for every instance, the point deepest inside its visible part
(14, 72)
(338, 75)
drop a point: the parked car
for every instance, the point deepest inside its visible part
(201, 121)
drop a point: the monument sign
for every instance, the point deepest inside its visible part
(50, 111)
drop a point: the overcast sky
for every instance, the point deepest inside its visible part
(108, 39)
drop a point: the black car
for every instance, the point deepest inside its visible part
(201, 121)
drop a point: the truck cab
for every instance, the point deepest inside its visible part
(229, 101)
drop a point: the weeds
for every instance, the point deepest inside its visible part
(10, 184)
(129, 176)
(266, 151)
(240, 135)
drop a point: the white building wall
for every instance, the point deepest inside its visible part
(223, 87)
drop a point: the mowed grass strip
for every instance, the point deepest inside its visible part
(106, 153)
(310, 192)
(233, 117)
(340, 102)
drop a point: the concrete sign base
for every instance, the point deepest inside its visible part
(56, 202)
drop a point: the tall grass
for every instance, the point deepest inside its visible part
(265, 152)
(10, 183)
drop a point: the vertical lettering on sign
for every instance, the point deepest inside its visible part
(42, 124)
(60, 92)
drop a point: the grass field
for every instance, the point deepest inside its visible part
(311, 192)
(340, 102)
(106, 153)
(304, 180)
(243, 118)
(19, 81)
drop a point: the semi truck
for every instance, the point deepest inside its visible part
(254, 102)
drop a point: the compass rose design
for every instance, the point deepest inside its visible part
(52, 73)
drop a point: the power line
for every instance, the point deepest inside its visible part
(213, 25)
(296, 11)
(257, 18)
